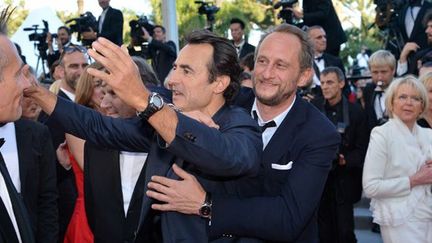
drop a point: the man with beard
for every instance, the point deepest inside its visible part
(63, 40)
(299, 146)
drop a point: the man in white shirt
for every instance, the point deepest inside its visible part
(14, 222)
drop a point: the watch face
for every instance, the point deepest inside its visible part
(157, 101)
(205, 210)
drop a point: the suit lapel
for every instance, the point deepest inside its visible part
(25, 150)
(296, 116)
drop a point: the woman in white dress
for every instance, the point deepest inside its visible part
(397, 173)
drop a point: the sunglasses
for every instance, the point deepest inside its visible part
(71, 49)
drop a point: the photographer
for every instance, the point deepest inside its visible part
(162, 52)
(63, 39)
(343, 187)
(322, 12)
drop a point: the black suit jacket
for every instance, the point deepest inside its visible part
(246, 49)
(347, 179)
(322, 13)
(369, 98)
(104, 198)
(112, 27)
(38, 178)
(295, 165)
(418, 34)
(163, 56)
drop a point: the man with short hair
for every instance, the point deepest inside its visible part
(221, 152)
(162, 52)
(299, 145)
(237, 27)
(344, 183)
(63, 40)
(382, 66)
(15, 225)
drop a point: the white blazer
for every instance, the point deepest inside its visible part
(395, 153)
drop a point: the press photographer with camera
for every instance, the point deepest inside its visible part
(322, 12)
(62, 39)
(109, 25)
(161, 52)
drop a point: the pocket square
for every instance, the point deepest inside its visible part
(282, 167)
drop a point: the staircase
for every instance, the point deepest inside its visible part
(363, 223)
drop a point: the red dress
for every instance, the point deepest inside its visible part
(78, 230)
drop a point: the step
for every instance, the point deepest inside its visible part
(362, 218)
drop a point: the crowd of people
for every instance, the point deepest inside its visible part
(222, 142)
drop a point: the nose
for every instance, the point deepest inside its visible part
(268, 72)
(106, 102)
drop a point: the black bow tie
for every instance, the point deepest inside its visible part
(267, 125)
(2, 141)
(2, 124)
(319, 58)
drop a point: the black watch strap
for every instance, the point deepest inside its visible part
(206, 207)
(155, 104)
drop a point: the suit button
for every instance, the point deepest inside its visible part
(189, 136)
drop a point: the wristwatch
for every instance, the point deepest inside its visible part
(155, 104)
(206, 207)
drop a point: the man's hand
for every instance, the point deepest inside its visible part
(407, 49)
(89, 35)
(123, 75)
(184, 196)
(146, 35)
(43, 97)
(297, 12)
(201, 117)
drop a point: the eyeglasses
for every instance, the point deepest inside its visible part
(413, 99)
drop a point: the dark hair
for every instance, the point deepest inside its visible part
(225, 60)
(306, 53)
(160, 26)
(339, 74)
(65, 28)
(427, 17)
(248, 61)
(238, 21)
(146, 72)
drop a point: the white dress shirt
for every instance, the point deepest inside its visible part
(270, 131)
(9, 151)
(131, 165)
(70, 95)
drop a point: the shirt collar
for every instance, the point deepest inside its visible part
(278, 119)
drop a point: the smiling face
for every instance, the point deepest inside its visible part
(277, 70)
(189, 79)
(73, 65)
(12, 82)
(407, 104)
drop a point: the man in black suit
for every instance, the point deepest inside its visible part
(15, 224)
(162, 52)
(299, 145)
(30, 160)
(412, 53)
(322, 13)
(382, 66)
(344, 183)
(410, 24)
(63, 40)
(237, 27)
(321, 59)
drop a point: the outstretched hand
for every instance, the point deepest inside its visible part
(43, 97)
(184, 196)
(123, 75)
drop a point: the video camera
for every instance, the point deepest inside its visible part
(136, 24)
(387, 12)
(86, 22)
(40, 38)
(209, 10)
(285, 13)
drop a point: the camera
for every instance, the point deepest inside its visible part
(209, 10)
(40, 38)
(285, 13)
(85, 22)
(387, 12)
(136, 31)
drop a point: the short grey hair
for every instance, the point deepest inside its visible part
(382, 58)
(411, 81)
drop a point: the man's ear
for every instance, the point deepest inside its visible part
(221, 83)
(305, 78)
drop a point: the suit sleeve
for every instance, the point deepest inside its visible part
(320, 14)
(281, 217)
(233, 150)
(377, 157)
(120, 134)
(47, 197)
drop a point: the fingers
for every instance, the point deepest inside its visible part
(181, 173)
(158, 196)
(162, 207)
(99, 74)
(163, 181)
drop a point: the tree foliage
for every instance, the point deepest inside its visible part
(17, 17)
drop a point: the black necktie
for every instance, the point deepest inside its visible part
(318, 59)
(20, 212)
